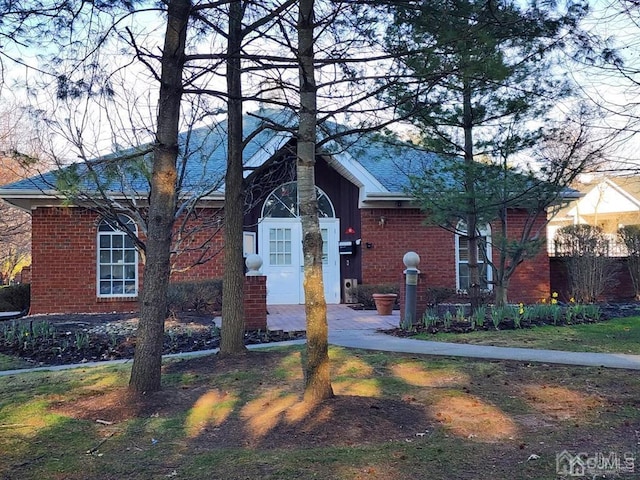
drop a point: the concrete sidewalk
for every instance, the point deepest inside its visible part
(371, 340)
(358, 329)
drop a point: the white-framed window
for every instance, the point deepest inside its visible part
(280, 246)
(117, 260)
(248, 243)
(462, 258)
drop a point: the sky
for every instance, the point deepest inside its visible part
(616, 92)
(91, 124)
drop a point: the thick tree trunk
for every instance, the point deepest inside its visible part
(232, 341)
(317, 370)
(147, 361)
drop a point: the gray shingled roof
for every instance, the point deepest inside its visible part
(204, 147)
(384, 162)
(379, 164)
(389, 161)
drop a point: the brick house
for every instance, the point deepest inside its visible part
(81, 263)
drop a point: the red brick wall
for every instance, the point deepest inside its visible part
(200, 249)
(64, 263)
(255, 303)
(25, 275)
(64, 259)
(404, 231)
(531, 281)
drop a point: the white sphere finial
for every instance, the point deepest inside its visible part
(253, 263)
(411, 260)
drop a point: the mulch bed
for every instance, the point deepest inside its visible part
(62, 339)
(77, 338)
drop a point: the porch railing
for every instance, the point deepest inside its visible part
(614, 247)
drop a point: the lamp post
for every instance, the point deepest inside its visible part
(411, 261)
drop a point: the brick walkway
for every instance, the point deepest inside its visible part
(292, 318)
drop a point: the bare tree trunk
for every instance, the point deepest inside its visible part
(317, 369)
(501, 295)
(232, 341)
(147, 361)
(472, 218)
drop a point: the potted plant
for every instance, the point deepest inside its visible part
(384, 302)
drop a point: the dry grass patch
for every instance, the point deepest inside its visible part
(471, 417)
(560, 402)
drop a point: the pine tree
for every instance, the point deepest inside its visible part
(477, 68)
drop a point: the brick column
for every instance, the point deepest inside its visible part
(255, 302)
(255, 295)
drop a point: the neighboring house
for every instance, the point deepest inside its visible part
(15, 226)
(606, 202)
(81, 263)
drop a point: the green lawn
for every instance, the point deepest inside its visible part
(10, 363)
(394, 417)
(620, 335)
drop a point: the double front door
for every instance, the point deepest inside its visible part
(280, 241)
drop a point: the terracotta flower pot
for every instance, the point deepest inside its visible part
(384, 302)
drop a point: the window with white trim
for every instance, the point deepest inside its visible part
(280, 246)
(248, 243)
(117, 260)
(462, 258)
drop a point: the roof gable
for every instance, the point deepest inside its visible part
(605, 197)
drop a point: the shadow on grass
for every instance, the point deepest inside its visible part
(394, 416)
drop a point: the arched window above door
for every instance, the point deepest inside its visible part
(283, 203)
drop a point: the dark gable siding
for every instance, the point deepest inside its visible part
(277, 171)
(344, 196)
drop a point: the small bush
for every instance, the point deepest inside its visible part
(630, 235)
(437, 295)
(585, 250)
(200, 296)
(364, 293)
(15, 298)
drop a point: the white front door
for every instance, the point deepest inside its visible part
(281, 251)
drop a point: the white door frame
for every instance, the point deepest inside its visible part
(331, 267)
